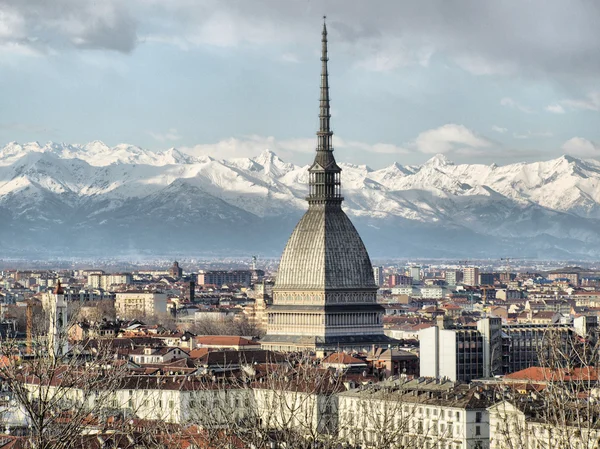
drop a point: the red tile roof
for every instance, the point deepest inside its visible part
(343, 359)
(224, 340)
(539, 374)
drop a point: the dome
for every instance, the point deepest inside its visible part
(325, 252)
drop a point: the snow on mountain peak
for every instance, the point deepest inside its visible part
(439, 160)
(272, 164)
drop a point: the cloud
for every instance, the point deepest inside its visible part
(510, 103)
(555, 109)
(483, 38)
(530, 134)
(591, 102)
(499, 129)
(171, 135)
(289, 149)
(449, 138)
(43, 25)
(578, 146)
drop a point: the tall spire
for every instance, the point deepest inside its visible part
(324, 112)
(324, 174)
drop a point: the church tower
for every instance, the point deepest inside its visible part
(55, 306)
(325, 294)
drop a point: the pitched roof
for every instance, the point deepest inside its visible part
(225, 340)
(540, 374)
(342, 358)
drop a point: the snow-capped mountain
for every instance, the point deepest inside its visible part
(61, 199)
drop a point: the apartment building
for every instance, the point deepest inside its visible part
(140, 303)
(417, 413)
(471, 276)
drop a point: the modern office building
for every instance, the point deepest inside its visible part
(491, 348)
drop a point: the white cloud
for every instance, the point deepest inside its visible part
(289, 149)
(578, 146)
(499, 129)
(590, 103)
(530, 134)
(448, 138)
(510, 103)
(555, 108)
(171, 135)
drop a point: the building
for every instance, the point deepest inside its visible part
(175, 271)
(105, 281)
(415, 274)
(378, 275)
(486, 279)
(111, 279)
(399, 280)
(415, 414)
(471, 276)
(220, 278)
(136, 303)
(453, 277)
(524, 422)
(571, 275)
(55, 306)
(490, 348)
(325, 296)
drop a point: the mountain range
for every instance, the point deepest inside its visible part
(62, 200)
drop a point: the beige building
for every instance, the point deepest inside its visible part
(104, 281)
(471, 276)
(140, 303)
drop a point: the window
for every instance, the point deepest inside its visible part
(457, 415)
(477, 430)
(478, 417)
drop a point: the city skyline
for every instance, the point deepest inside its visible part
(479, 82)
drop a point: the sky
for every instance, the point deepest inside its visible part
(478, 81)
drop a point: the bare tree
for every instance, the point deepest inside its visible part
(59, 394)
(556, 408)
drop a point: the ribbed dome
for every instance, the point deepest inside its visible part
(325, 252)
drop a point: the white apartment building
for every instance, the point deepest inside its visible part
(378, 275)
(414, 414)
(433, 292)
(144, 303)
(522, 424)
(104, 281)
